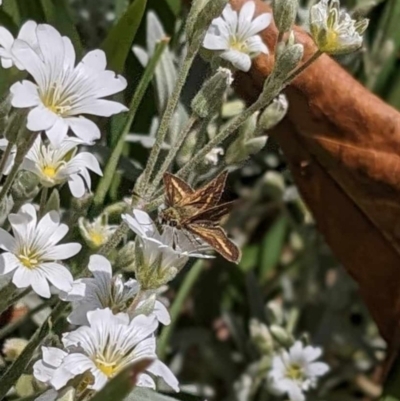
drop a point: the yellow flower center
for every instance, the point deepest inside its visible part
(49, 171)
(237, 44)
(97, 238)
(29, 258)
(56, 100)
(294, 372)
(109, 369)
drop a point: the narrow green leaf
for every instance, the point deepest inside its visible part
(31, 9)
(249, 257)
(53, 203)
(118, 43)
(175, 6)
(10, 7)
(271, 248)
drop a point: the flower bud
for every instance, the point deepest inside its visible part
(125, 259)
(209, 99)
(285, 12)
(287, 61)
(13, 348)
(274, 113)
(281, 336)
(25, 186)
(261, 336)
(201, 14)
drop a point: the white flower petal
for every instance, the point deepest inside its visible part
(63, 251)
(7, 242)
(8, 263)
(40, 118)
(83, 128)
(239, 60)
(157, 368)
(57, 132)
(24, 94)
(58, 275)
(98, 263)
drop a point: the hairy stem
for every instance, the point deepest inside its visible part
(165, 123)
(171, 155)
(5, 157)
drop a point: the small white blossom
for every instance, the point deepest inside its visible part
(108, 345)
(213, 155)
(333, 29)
(10, 159)
(295, 371)
(97, 232)
(55, 165)
(27, 33)
(63, 92)
(32, 254)
(106, 291)
(235, 35)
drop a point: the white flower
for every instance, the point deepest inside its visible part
(159, 257)
(52, 358)
(10, 159)
(213, 156)
(33, 251)
(110, 344)
(27, 34)
(97, 232)
(333, 30)
(62, 93)
(106, 291)
(295, 372)
(55, 165)
(234, 34)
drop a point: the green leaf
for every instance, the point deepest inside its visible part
(145, 394)
(271, 248)
(249, 257)
(53, 202)
(31, 9)
(118, 43)
(175, 6)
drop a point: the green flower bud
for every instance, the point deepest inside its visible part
(261, 336)
(285, 12)
(274, 113)
(25, 186)
(199, 19)
(209, 99)
(287, 61)
(282, 336)
(125, 259)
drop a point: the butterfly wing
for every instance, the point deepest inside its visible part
(176, 190)
(209, 195)
(216, 238)
(211, 215)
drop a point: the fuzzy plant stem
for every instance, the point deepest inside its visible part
(171, 155)
(112, 163)
(143, 182)
(176, 307)
(19, 158)
(303, 67)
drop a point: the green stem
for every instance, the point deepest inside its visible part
(176, 308)
(225, 133)
(43, 201)
(19, 158)
(171, 155)
(165, 123)
(112, 163)
(5, 156)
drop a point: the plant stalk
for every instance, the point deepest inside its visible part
(5, 156)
